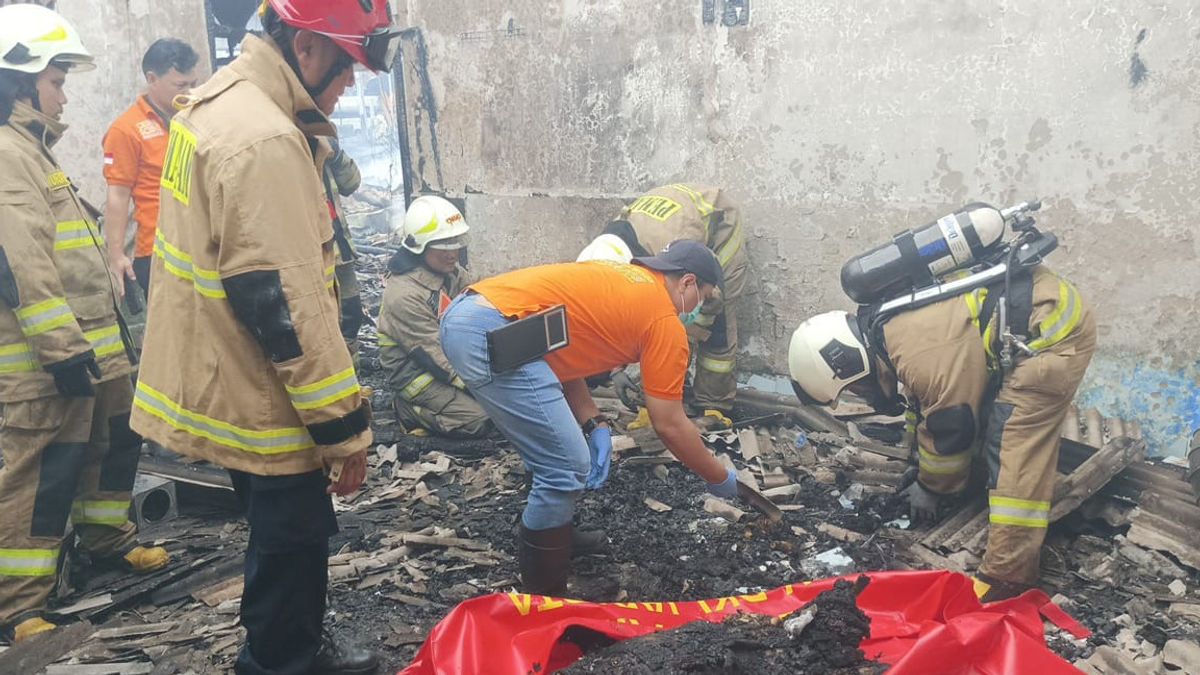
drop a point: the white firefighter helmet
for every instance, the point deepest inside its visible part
(32, 37)
(827, 355)
(432, 222)
(606, 247)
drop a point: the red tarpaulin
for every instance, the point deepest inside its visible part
(921, 622)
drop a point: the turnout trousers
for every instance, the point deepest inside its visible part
(63, 458)
(286, 570)
(715, 384)
(1021, 448)
(444, 410)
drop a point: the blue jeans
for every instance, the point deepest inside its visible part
(528, 407)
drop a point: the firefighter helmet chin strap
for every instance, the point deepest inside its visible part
(280, 35)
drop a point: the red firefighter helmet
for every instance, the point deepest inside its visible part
(363, 28)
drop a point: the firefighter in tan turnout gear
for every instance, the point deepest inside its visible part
(64, 369)
(244, 362)
(971, 397)
(341, 178)
(697, 213)
(423, 277)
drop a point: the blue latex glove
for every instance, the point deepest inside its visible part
(726, 489)
(600, 443)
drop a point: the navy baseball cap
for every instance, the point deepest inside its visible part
(685, 255)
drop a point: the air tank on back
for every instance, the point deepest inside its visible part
(915, 258)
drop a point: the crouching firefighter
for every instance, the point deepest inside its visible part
(525, 341)
(990, 358)
(423, 276)
(64, 354)
(706, 215)
(245, 365)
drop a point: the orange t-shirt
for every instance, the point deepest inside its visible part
(134, 148)
(616, 314)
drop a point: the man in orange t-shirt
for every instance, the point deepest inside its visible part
(616, 314)
(134, 148)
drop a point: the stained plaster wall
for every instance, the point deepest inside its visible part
(117, 32)
(838, 123)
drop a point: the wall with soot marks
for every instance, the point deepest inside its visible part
(838, 123)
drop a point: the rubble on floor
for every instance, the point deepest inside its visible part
(821, 637)
(434, 526)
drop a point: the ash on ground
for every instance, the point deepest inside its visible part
(832, 627)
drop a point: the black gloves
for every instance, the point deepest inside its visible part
(71, 377)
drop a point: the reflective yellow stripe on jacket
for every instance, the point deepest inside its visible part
(177, 262)
(258, 441)
(943, 465)
(324, 392)
(330, 276)
(975, 300)
(19, 358)
(702, 205)
(72, 234)
(419, 384)
(28, 562)
(1062, 321)
(1019, 512)
(91, 512)
(385, 341)
(720, 366)
(1052, 330)
(732, 245)
(44, 316)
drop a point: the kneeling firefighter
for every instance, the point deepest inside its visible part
(423, 276)
(64, 356)
(706, 215)
(990, 346)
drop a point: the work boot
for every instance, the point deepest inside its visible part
(583, 542)
(587, 542)
(334, 658)
(544, 557)
(23, 630)
(990, 589)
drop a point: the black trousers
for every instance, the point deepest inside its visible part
(287, 574)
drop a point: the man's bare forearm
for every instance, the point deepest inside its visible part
(116, 218)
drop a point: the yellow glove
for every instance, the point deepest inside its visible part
(642, 421)
(720, 418)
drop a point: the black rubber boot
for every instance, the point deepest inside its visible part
(587, 542)
(336, 658)
(545, 559)
(990, 589)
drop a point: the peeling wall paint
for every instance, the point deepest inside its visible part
(1165, 401)
(837, 124)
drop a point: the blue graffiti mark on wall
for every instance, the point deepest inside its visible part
(1164, 401)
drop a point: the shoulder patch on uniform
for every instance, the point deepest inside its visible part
(58, 181)
(658, 208)
(177, 165)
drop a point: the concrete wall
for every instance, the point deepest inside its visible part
(837, 123)
(117, 32)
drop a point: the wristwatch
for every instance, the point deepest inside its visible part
(589, 426)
